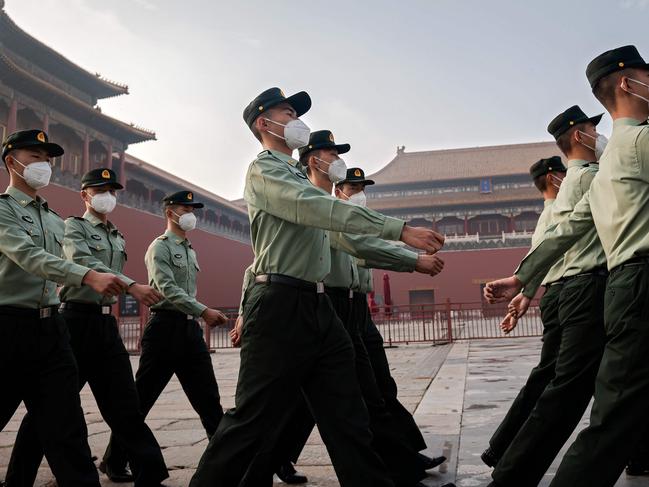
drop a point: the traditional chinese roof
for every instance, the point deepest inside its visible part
(30, 48)
(458, 164)
(25, 82)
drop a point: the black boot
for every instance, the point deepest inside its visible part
(489, 457)
(118, 477)
(428, 462)
(287, 474)
(635, 467)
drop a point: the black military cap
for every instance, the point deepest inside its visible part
(181, 198)
(30, 138)
(568, 119)
(614, 60)
(355, 175)
(323, 139)
(301, 102)
(545, 166)
(100, 177)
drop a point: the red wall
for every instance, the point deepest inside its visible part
(460, 280)
(222, 260)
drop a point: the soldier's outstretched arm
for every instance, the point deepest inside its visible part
(276, 188)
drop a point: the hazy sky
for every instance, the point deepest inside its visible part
(425, 74)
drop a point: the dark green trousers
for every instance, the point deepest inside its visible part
(563, 402)
(539, 377)
(619, 415)
(292, 341)
(104, 364)
(373, 342)
(38, 367)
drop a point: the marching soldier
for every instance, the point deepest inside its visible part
(292, 338)
(102, 359)
(173, 341)
(36, 362)
(547, 175)
(619, 198)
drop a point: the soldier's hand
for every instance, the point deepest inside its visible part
(508, 323)
(502, 289)
(214, 317)
(422, 238)
(429, 264)
(519, 305)
(145, 294)
(235, 333)
(104, 283)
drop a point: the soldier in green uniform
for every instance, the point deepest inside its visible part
(354, 184)
(36, 362)
(617, 203)
(103, 362)
(581, 316)
(401, 459)
(292, 339)
(173, 341)
(547, 175)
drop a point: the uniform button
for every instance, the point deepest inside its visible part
(47, 291)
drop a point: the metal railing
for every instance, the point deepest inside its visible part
(431, 323)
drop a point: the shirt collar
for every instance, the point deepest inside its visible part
(627, 121)
(283, 157)
(548, 202)
(578, 162)
(94, 221)
(24, 199)
(175, 238)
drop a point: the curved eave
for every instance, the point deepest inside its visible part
(50, 95)
(47, 58)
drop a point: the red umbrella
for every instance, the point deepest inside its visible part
(387, 298)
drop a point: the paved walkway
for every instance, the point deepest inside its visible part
(459, 393)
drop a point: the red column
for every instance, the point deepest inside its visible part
(512, 224)
(466, 224)
(46, 123)
(85, 164)
(122, 168)
(12, 119)
(109, 156)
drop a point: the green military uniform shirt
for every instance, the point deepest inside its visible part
(172, 266)
(100, 247)
(343, 272)
(289, 216)
(365, 278)
(31, 263)
(617, 203)
(543, 222)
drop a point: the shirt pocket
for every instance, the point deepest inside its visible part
(179, 267)
(119, 254)
(57, 244)
(26, 222)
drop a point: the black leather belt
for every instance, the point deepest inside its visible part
(172, 313)
(343, 292)
(92, 309)
(33, 313)
(598, 271)
(358, 295)
(636, 261)
(316, 287)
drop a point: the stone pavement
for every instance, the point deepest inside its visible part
(458, 393)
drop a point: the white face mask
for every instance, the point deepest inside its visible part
(600, 144)
(186, 221)
(37, 174)
(103, 202)
(556, 181)
(337, 170)
(359, 199)
(635, 94)
(296, 133)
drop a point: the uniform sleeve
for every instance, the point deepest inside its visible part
(157, 262)
(248, 281)
(375, 252)
(556, 241)
(76, 249)
(273, 188)
(642, 151)
(19, 247)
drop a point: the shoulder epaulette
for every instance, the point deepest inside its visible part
(162, 237)
(4, 195)
(72, 217)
